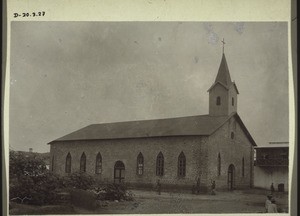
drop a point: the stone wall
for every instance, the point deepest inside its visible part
(232, 151)
(265, 176)
(127, 150)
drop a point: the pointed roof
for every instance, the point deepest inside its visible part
(223, 73)
(201, 125)
(223, 76)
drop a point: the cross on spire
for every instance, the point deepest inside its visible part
(223, 44)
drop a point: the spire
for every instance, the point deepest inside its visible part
(223, 42)
(223, 73)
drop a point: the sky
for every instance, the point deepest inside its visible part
(67, 75)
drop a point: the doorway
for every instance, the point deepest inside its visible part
(230, 180)
(119, 172)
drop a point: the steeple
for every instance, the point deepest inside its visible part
(223, 92)
(223, 73)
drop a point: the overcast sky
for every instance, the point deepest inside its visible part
(67, 75)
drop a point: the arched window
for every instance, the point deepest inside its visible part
(219, 164)
(232, 101)
(52, 163)
(160, 164)
(98, 168)
(181, 165)
(68, 163)
(83, 163)
(140, 164)
(218, 100)
(243, 167)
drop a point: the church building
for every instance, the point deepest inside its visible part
(176, 151)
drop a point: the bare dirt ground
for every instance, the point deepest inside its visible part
(149, 202)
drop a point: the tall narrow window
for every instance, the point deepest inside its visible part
(52, 163)
(181, 165)
(232, 101)
(68, 163)
(160, 164)
(243, 167)
(218, 100)
(98, 168)
(83, 163)
(140, 164)
(219, 164)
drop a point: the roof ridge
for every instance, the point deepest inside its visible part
(155, 119)
(176, 126)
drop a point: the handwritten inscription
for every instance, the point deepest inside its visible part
(33, 14)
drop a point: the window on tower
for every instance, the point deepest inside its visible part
(232, 101)
(218, 100)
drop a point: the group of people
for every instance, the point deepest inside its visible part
(270, 205)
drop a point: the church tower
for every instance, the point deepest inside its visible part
(223, 93)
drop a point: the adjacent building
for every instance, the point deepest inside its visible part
(272, 166)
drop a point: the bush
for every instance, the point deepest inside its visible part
(25, 165)
(35, 190)
(113, 192)
(78, 180)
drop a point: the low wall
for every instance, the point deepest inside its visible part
(265, 176)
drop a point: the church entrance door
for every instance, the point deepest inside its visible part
(119, 172)
(230, 180)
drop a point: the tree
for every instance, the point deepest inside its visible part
(30, 180)
(21, 164)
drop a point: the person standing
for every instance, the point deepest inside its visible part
(158, 185)
(272, 188)
(198, 186)
(272, 208)
(213, 187)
